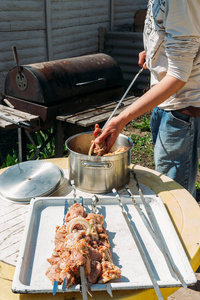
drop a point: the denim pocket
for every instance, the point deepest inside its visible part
(180, 117)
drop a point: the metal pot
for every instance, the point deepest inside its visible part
(98, 174)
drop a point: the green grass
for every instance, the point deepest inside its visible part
(144, 125)
(143, 150)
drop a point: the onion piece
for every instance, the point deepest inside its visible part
(79, 220)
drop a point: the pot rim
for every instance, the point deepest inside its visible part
(100, 157)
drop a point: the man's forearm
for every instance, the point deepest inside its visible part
(156, 95)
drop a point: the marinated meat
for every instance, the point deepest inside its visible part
(97, 149)
(95, 272)
(100, 149)
(77, 248)
(109, 271)
(120, 150)
(75, 211)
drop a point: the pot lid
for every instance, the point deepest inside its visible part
(30, 179)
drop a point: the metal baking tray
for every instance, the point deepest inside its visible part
(38, 243)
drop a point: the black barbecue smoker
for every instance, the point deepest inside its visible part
(54, 88)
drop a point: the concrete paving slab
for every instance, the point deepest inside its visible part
(191, 293)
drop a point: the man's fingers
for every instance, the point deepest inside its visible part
(144, 65)
(100, 139)
(142, 58)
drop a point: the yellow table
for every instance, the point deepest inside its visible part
(184, 212)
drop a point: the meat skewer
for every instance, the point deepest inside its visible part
(64, 285)
(81, 243)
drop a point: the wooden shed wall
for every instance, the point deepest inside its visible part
(124, 12)
(124, 47)
(75, 26)
(55, 29)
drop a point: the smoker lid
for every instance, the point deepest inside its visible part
(30, 179)
(58, 80)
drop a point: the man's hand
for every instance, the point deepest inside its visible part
(142, 60)
(110, 133)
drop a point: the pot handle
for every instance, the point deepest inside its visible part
(104, 165)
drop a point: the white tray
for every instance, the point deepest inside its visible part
(38, 243)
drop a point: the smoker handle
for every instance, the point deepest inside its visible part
(16, 60)
(20, 123)
(99, 80)
(25, 125)
(15, 55)
(106, 165)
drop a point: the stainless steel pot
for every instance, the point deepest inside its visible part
(98, 174)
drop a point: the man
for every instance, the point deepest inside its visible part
(172, 54)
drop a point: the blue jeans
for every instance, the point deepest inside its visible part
(176, 137)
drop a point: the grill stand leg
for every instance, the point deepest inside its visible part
(59, 139)
(22, 144)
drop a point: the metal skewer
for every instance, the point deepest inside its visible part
(126, 92)
(158, 233)
(139, 246)
(144, 219)
(55, 287)
(109, 289)
(83, 283)
(95, 200)
(84, 289)
(117, 106)
(64, 285)
(55, 284)
(152, 233)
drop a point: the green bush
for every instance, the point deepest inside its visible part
(39, 138)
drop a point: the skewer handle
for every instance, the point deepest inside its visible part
(74, 190)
